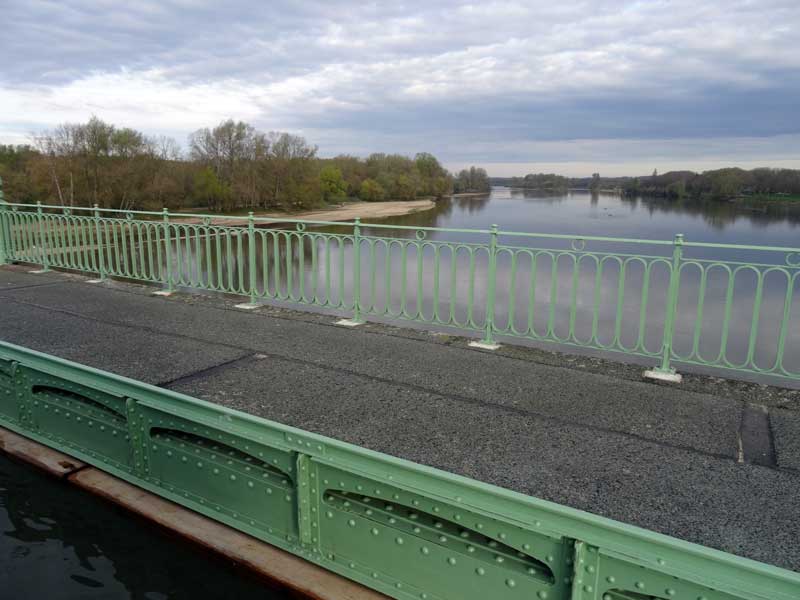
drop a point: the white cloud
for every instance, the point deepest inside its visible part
(496, 76)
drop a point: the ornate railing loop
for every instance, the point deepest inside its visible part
(727, 306)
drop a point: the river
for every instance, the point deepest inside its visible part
(58, 542)
(607, 214)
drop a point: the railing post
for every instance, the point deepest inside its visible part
(357, 271)
(168, 251)
(356, 320)
(42, 244)
(488, 342)
(3, 238)
(251, 251)
(664, 371)
(100, 250)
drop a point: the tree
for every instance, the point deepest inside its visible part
(46, 146)
(434, 179)
(371, 191)
(677, 189)
(122, 168)
(332, 184)
(290, 161)
(210, 190)
(595, 185)
(726, 183)
(473, 180)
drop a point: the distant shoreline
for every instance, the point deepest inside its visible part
(752, 200)
(469, 194)
(562, 190)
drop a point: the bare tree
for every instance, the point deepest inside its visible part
(46, 145)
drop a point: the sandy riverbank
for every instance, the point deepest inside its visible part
(345, 212)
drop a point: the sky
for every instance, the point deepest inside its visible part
(616, 87)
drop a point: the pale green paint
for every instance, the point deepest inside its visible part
(407, 530)
(352, 271)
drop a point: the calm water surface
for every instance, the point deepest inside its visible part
(58, 542)
(610, 215)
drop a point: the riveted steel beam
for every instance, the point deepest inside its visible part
(404, 529)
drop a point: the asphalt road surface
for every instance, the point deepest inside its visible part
(721, 469)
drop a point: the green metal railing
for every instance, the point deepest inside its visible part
(735, 307)
(409, 531)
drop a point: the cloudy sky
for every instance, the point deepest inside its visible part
(573, 87)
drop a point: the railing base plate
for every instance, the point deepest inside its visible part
(662, 376)
(348, 323)
(484, 345)
(247, 306)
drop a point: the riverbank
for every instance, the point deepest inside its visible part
(344, 212)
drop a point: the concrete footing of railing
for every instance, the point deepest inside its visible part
(663, 376)
(247, 306)
(484, 345)
(348, 323)
(285, 570)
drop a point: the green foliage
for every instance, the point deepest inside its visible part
(232, 166)
(399, 177)
(677, 189)
(332, 184)
(371, 191)
(718, 184)
(541, 182)
(210, 190)
(471, 180)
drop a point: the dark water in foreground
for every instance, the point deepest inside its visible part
(58, 542)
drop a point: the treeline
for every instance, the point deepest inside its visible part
(228, 167)
(543, 182)
(718, 184)
(472, 180)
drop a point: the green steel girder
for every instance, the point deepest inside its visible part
(404, 529)
(10, 401)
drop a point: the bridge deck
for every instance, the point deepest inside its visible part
(709, 468)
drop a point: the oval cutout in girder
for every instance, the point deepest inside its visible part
(67, 395)
(192, 440)
(468, 541)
